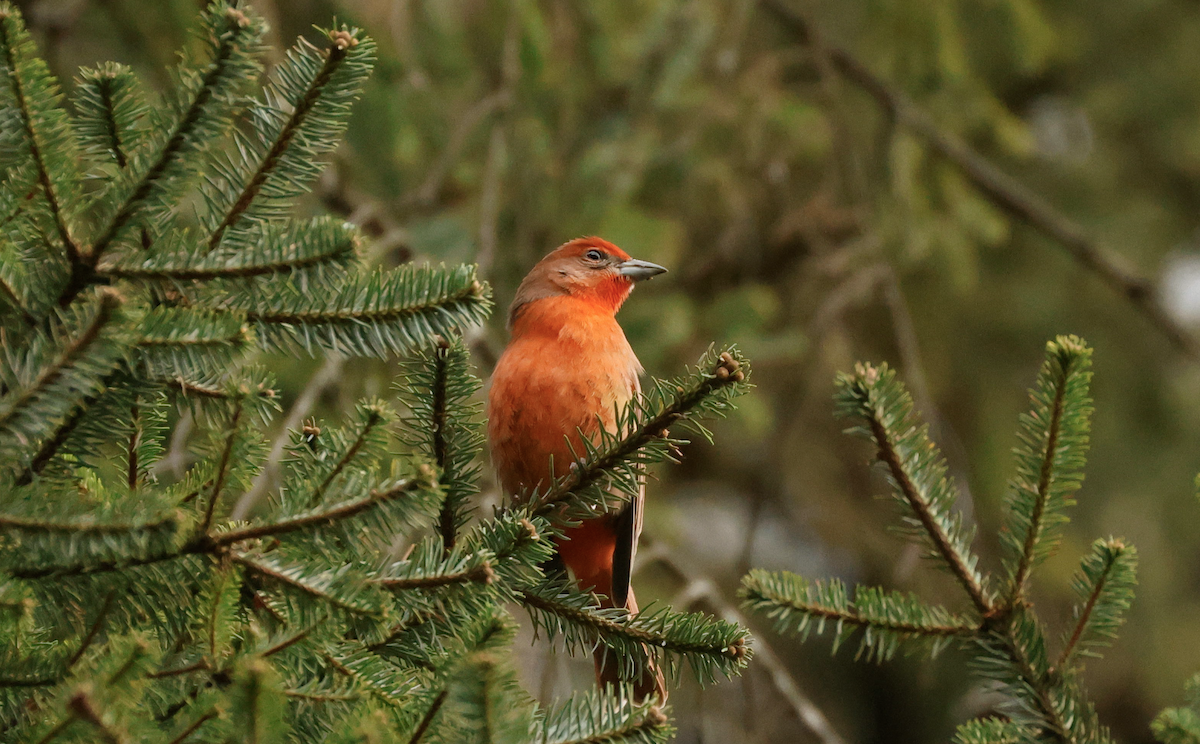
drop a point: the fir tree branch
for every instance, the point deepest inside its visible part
(334, 56)
(93, 631)
(708, 644)
(447, 518)
(83, 708)
(644, 426)
(439, 390)
(106, 100)
(480, 574)
(202, 665)
(287, 643)
(373, 314)
(241, 33)
(9, 40)
(1050, 460)
(1043, 488)
(131, 451)
(888, 619)
(373, 419)
(280, 250)
(191, 729)
(1104, 584)
(958, 564)
(281, 575)
(222, 472)
(76, 349)
(427, 719)
(53, 443)
(595, 718)
(10, 296)
(334, 513)
(916, 469)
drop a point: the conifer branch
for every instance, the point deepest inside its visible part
(222, 471)
(278, 250)
(959, 565)
(889, 620)
(915, 468)
(75, 350)
(1043, 488)
(439, 389)
(319, 587)
(334, 56)
(1050, 459)
(10, 297)
(54, 442)
(83, 708)
(480, 574)
(710, 646)
(202, 665)
(375, 314)
(334, 513)
(427, 719)
(624, 719)
(447, 518)
(11, 31)
(93, 631)
(239, 33)
(131, 451)
(374, 417)
(617, 460)
(1104, 585)
(191, 729)
(114, 134)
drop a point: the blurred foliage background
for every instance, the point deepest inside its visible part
(802, 221)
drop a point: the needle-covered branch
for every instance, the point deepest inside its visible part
(111, 113)
(282, 156)
(711, 647)
(208, 85)
(443, 424)
(33, 99)
(624, 720)
(1050, 459)
(376, 314)
(48, 378)
(1181, 725)
(608, 472)
(889, 621)
(915, 469)
(1104, 588)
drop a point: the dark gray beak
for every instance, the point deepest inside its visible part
(639, 270)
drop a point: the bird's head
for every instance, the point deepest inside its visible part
(589, 269)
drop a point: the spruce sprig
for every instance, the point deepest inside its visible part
(1008, 644)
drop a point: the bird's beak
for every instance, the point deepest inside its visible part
(639, 270)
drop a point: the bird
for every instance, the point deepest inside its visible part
(568, 368)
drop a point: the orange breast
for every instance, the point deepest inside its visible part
(550, 386)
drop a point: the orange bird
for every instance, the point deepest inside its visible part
(566, 371)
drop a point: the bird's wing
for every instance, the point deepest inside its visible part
(628, 526)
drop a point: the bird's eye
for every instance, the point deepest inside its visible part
(594, 255)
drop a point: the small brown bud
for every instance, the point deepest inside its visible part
(343, 40)
(656, 717)
(237, 17)
(533, 533)
(739, 375)
(721, 373)
(485, 574)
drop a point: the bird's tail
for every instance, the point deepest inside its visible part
(649, 683)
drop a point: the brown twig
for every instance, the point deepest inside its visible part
(1006, 192)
